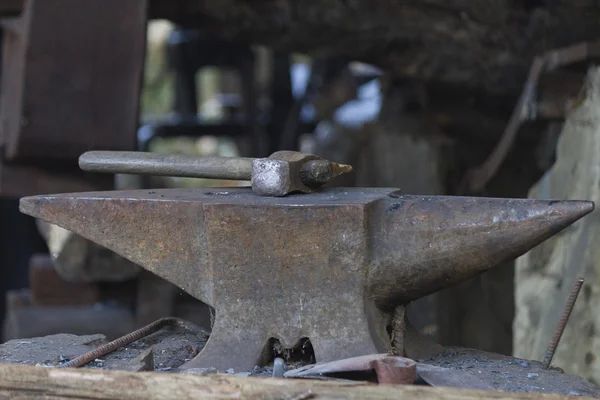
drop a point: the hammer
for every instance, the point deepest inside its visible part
(281, 173)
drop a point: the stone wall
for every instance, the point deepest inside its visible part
(544, 276)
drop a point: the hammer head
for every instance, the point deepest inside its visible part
(285, 172)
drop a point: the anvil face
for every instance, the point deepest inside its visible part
(329, 266)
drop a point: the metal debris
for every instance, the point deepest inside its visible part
(404, 371)
(395, 370)
(130, 338)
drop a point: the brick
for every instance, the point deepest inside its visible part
(49, 289)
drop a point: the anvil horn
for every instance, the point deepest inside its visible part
(165, 236)
(447, 240)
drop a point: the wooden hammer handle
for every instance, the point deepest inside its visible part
(180, 165)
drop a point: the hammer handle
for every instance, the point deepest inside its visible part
(180, 165)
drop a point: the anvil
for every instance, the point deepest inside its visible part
(330, 266)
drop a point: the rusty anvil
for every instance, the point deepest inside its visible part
(331, 266)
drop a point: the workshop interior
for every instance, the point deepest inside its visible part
(299, 200)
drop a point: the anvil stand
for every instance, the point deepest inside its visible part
(332, 266)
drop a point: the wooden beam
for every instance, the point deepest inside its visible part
(27, 382)
(488, 44)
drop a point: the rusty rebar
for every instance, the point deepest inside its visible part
(562, 323)
(130, 338)
(398, 331)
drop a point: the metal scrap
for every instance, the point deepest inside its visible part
(405, 371)
(395, 370)
(388, 368)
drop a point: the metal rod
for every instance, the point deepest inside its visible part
(127, 339)
(562, 323)
(180, 165)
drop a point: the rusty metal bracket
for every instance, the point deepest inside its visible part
(401, 371)
(331, 266)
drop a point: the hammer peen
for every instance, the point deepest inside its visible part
(279, 174)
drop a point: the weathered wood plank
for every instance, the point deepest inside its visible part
(545, 275)
(71, 77)
(25, 382)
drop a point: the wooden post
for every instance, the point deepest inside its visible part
(71, 79)
(72, 76)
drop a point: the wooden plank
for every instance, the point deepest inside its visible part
(26, 382)
(72, 78)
